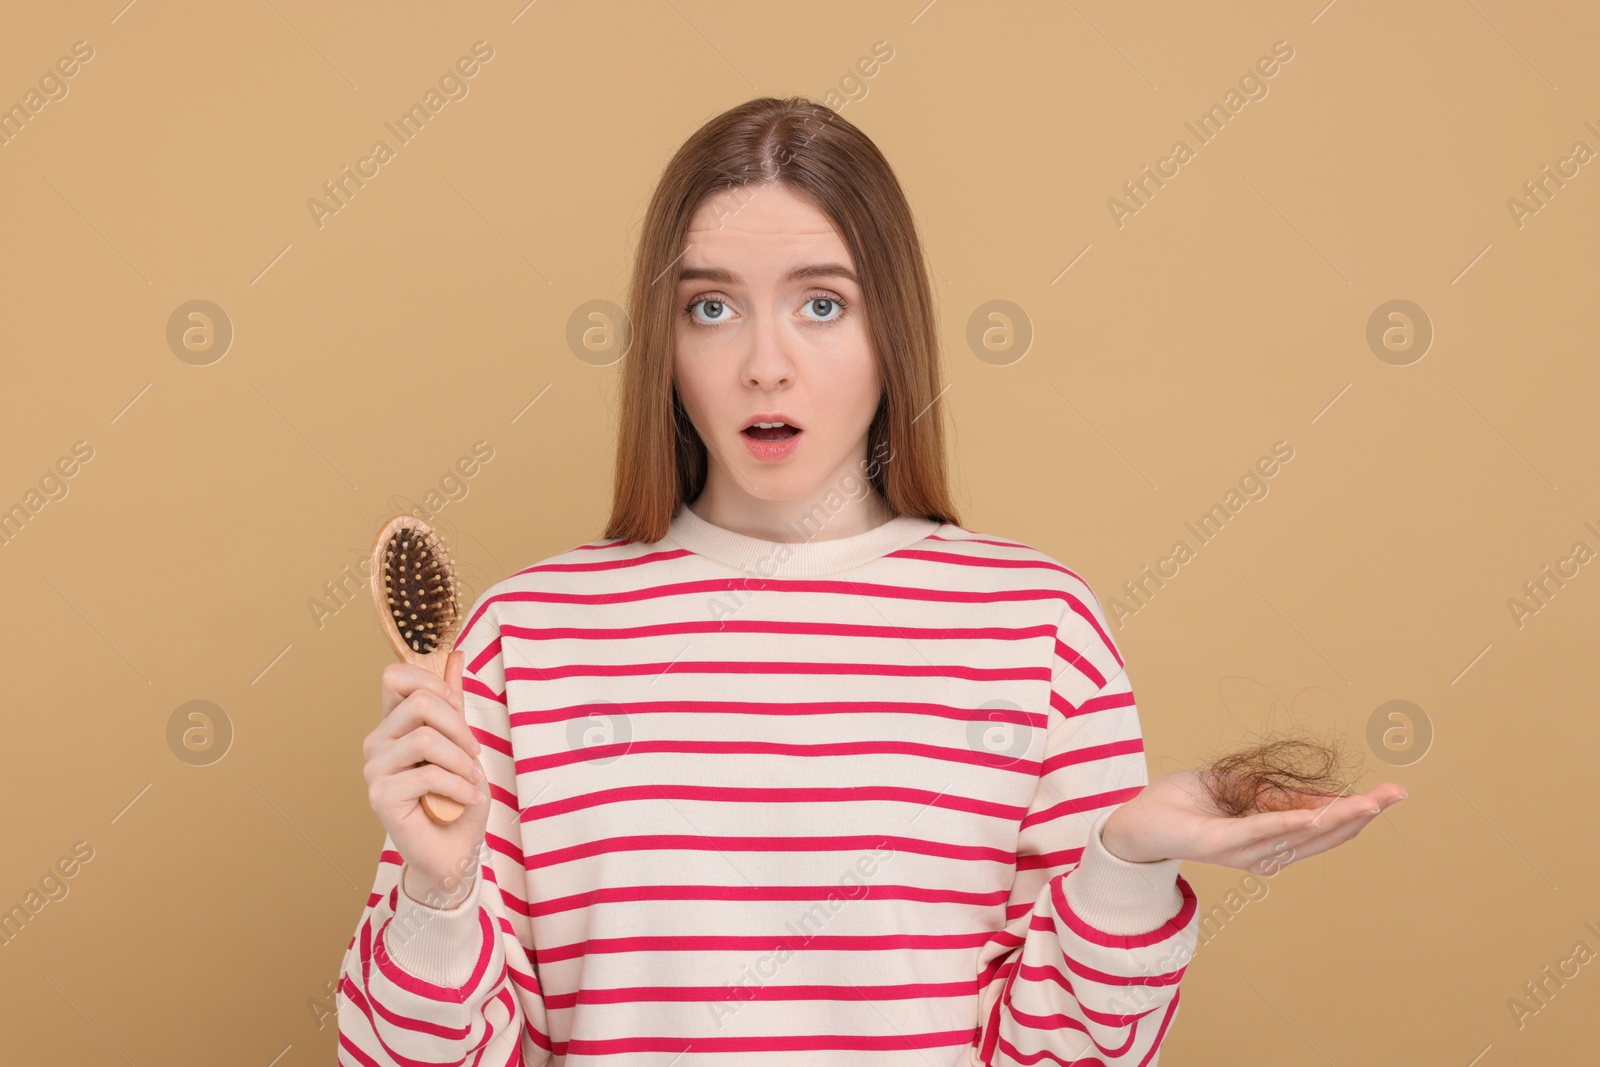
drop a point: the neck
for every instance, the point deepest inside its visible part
(792, 521)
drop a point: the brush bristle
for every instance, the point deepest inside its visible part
(421, 591)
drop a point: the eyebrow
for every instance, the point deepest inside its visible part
(727, 277)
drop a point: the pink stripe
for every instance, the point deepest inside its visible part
(348, 1048)
(1095, 936)
(626, 894)
(776, 626)
(1072, 757)
(784, 1043)
(1034, 719)
(369, 1006)
(938, 753)
(627, 562)
(1053, 976)
(1105, 702)
(974, 539)
(762, 943)
(1047, 1024)
(697, 993)
(487, 739)
(1018, 1056)
(469, 684)
(419, 987)
(706, 843)
(1082, 610)
(1066, 857)
(490, 651)
(701, 587)
(1073, 805)
(965, 560)
(797, 795)
(769, 667)
(1067, 654)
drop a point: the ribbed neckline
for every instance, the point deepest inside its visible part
(798, 559)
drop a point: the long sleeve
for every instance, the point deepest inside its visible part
(1087, 968)
(423, 985)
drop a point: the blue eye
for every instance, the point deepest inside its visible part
(688, 309)
(716, 309)
(833, 301)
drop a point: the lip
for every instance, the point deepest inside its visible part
(769, 416)
(773, 451)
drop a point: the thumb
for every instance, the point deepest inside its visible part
(453, 666)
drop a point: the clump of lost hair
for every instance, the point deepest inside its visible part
(1291, 770)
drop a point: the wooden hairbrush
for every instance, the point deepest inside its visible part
(418, 599)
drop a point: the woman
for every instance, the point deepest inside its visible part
(789, 766)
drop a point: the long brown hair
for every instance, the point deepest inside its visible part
(821, 157)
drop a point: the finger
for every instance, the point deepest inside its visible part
(1343, 810)
(400, 680)
(1327, 839)
(428, 709)
(1374, 802)
(1248, 840)
(407, 787)
(1263, 828)
(461, 732)
(1387, 795)
(424, 745)
(454, 664)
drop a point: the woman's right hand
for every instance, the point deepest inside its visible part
(423, 745)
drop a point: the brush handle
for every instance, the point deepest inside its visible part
(442, 809)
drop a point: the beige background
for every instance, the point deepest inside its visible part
(1230, 312)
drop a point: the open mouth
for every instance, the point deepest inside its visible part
(766, 431)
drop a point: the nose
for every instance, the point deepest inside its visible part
(767, 364)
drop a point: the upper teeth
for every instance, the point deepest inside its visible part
(769, 425)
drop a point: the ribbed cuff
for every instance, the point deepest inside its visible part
(1117, 896)
(438, 945)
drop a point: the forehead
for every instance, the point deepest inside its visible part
(763, 227)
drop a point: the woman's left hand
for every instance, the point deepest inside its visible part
(1175, 817)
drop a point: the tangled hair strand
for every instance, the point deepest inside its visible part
(1292, 770)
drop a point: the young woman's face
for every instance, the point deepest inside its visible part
(774, 331)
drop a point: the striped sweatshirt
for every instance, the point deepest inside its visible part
(828, 802)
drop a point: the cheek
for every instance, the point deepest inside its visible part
(856, 378)
(694, 380)
(683, 363)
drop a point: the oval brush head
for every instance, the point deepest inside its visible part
(418, 600)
